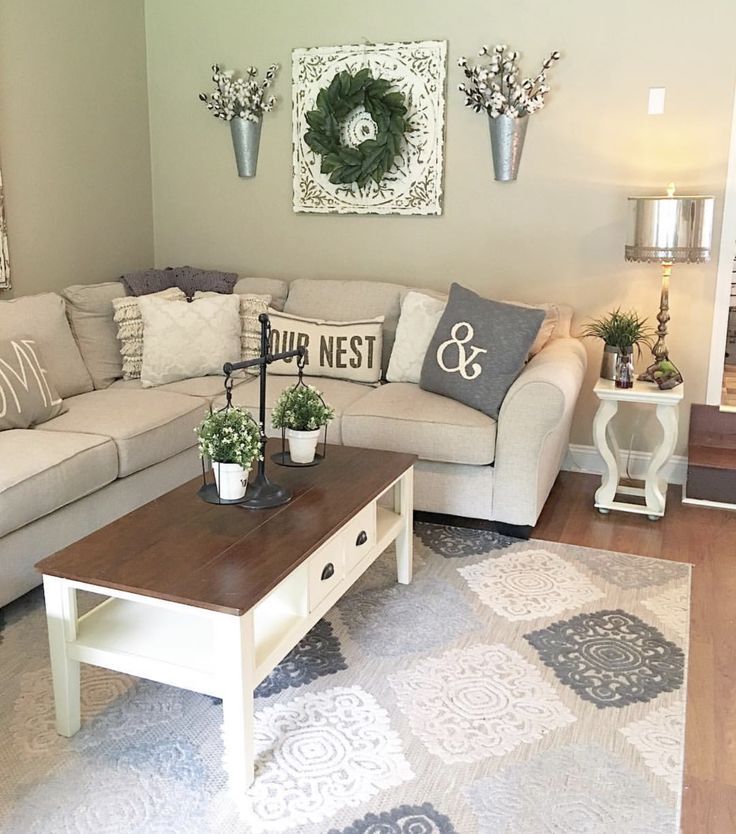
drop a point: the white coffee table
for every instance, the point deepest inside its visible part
(211, 598)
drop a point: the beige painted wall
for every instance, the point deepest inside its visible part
(74, 142)
(557, 233)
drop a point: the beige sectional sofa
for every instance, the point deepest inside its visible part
(119, 445)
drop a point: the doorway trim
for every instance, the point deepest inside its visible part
(724, 275)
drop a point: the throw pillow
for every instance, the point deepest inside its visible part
(478, 349)
(182, 341)
(129, 323)
(339, 349)
(43, 317)
(27, 396)
(90, 313)
(551, 323)
(189, 279)
(420, 315)
(251, 307)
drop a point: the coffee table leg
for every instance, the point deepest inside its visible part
(237, 662)
(404, 506)
(61, 617)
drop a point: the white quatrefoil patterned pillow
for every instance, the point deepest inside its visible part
(420, 315)
(182, 341)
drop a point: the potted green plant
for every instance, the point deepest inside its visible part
(302, 412)
(621, 332)
(231, 440)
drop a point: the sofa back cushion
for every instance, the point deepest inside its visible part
(27, 395)
(43, 318)
(90, 313)
(277, 289)
(348, 301)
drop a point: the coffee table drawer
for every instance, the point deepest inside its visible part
(326, 570)
(360, 536)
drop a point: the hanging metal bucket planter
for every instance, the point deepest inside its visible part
(246, 139)
(507, 143)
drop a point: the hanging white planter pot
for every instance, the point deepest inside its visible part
(231, 480)
(246, 141)
(507, 143)
(302, 444)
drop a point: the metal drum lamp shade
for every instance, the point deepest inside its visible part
(668, 230)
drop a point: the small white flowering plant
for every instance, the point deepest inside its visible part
(240, 96)
(497, 87)
(230, 436)
(301, 409)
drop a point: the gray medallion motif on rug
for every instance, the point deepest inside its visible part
(317, 654)
(456, 542)
(575, 790)
(628, 571)
(610, 658)
(415, 819)
(404, 619)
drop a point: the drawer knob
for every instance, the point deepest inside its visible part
(328, 570)
(362, 538)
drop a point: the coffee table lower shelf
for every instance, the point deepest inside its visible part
(216, 653)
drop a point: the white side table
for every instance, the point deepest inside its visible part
(667, 405)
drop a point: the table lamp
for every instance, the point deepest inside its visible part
(668, 230)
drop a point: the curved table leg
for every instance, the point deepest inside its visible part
(606, 445)
(655, 487)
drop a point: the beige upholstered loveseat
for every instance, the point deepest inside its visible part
(119, 445)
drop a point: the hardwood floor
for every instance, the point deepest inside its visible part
(707, 539)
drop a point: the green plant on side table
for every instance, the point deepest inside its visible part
(231, 439)
(301, 412)
(621, 332)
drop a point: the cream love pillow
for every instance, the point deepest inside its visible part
(339, 349)
(27, 398)
(182, 341)
(420, 315)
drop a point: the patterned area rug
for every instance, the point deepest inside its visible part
(513, 688)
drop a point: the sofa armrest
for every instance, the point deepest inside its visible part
(534, 430)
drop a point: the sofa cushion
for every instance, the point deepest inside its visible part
(43, 318)
(348, 301)
(207, 387)
(277, 289)
(337, 393)
(42, 471)
(401, 417)
(147, 426)
(27, 395)
(90, 311)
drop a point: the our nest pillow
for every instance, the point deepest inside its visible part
(478, 349)
(27, 396)
(183, 341)
(348, 350)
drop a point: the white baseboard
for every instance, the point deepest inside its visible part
(581, 458)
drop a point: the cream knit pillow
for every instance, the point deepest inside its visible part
(251, 307)
(129, 323)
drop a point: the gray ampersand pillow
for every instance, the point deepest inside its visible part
(478, 349)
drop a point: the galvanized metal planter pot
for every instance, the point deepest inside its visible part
(608, 362)
(507, 143)
(246, 140)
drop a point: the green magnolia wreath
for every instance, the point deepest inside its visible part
(371, 159)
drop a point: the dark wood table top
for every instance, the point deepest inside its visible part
(226, 558)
